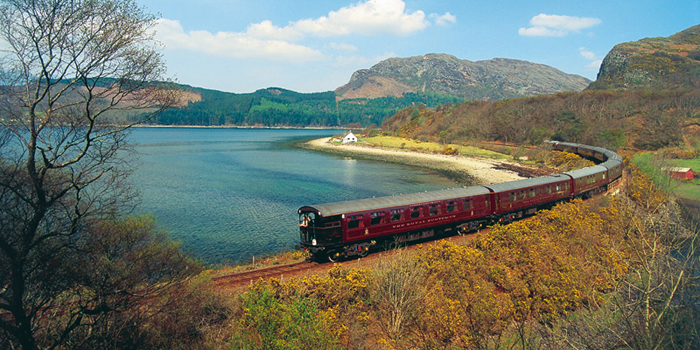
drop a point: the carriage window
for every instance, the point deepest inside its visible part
(355, 221)
(522, 194)
(376, 218)
(513, 197)
(532, 192)
(549, 189)
(450, 207)
(434, 209)
(467, 204)
(416, 212)
(396, 214)
(558, 187)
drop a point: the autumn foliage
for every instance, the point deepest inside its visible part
(647, 120)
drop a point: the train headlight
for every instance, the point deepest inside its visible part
(313, 241)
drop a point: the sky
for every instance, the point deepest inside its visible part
(314, 46)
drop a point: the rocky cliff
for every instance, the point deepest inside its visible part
(662, 63)
(445, 74)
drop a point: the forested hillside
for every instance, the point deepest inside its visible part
(613, 119)
(280, 107)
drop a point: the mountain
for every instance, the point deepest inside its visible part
(373, 94)
(444, 74)
(660, 63)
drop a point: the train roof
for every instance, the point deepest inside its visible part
(520, 184)
(608, 153)
(611, 163)
(368, 204)
(591, 170)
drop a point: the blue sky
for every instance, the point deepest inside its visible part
(312, 46)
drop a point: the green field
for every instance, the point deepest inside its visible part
(430, 147)
(686, 189)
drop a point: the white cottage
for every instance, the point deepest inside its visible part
(349, 137)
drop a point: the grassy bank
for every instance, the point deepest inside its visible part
(406, 144)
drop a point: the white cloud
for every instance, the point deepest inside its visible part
(591, 56)
(232, 45)
(343, 47)
(366, 18)
(267, 30)
(556, 25)
(443, 20)
(595, 65)
(265, 40)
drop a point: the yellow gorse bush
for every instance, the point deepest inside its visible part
(469, 295)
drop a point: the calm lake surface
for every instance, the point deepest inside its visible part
(230, 194)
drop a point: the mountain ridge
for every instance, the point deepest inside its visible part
(446, 74)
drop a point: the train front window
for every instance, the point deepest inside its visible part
(307, 219)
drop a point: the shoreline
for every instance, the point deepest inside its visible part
(235, 127)
(465, 171)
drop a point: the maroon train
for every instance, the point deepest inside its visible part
(350, 228)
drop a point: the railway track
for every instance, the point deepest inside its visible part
(248, 277)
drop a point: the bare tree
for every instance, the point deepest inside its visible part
(71, 68)
(397, 292)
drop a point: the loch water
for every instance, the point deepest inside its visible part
(230, 194)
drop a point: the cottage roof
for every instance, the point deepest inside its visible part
(677, 169)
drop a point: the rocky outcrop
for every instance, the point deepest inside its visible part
(663, 63)
(446, 74)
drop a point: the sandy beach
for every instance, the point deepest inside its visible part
(464, 170)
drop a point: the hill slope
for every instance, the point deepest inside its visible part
(664, 63)
(280, 107)
(447, 75)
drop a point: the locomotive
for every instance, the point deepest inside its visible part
(350, 228)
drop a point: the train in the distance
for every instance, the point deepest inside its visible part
(350, 228)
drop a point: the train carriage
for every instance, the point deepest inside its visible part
(614, 169)
(349, 228)
(564, 146)
(515, 199)
(588, 181)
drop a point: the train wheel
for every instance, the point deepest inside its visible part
(334, 256)
(364, 252)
